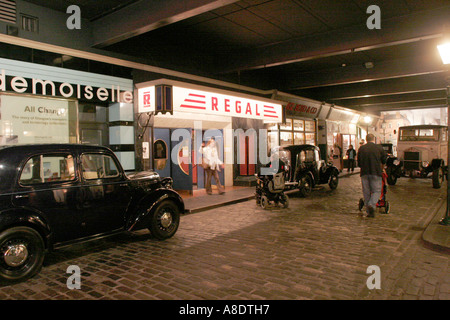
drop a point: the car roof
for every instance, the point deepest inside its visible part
(423, 126)
(298, 147)
(27, 148)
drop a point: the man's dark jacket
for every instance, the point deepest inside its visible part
(370, 158)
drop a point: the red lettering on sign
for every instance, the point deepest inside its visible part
(214, 104)
(300, 108)
(147, 99)
(257, 113)
(227, 105)
(238, 107)
(248, 109)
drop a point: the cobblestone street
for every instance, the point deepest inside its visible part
(318, 248)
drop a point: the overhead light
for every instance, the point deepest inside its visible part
(444, 51)
(367, 119)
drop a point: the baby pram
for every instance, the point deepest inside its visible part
(270, 188)
(382, 202)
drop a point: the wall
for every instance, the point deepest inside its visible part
(52, 27)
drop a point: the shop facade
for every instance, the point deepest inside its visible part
(333, 129)
(181, 116)
(300, 124)
(45, 104)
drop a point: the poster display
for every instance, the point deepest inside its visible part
(30, 120)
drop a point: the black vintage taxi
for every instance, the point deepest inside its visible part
(305, 169)
(54, 195)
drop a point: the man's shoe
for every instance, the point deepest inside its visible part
(371, 213)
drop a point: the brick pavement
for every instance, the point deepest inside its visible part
(318, 248)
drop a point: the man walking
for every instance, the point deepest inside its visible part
(351, 155)
(371, 160)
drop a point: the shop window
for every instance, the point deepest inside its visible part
(48, 168)
(299, 125)
(287, 125)
(310, 126)
(310, 138)
(299, 138)
(160, 154)
(285, 138)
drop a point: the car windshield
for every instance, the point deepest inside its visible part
(283, 155)
(419, 134)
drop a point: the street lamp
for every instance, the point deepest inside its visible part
(444, 51)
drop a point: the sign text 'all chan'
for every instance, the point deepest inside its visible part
(211, 103)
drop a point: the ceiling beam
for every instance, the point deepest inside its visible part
(147, 15)
(394, 98)
(394, 31)
(375, 88)
(381, 70)
(375, 109)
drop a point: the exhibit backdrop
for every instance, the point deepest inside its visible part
(33, 120)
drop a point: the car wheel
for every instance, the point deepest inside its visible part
(391, 177)
(264, 202)
(21, 254)
(438, 177)
(334, 181)
(305, 186)
(165, 220)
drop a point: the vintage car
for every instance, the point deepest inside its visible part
(54, 195)
(305, 169)
(421, 150)
(390, 149)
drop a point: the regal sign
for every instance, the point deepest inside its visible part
(212, 103)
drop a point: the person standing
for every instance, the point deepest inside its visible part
(212, 166)
(371, 160)
(351, 155)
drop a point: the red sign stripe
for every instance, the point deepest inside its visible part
(194, 101)
(192, 107)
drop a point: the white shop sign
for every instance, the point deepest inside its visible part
(213, 103)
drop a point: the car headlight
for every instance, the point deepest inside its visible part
(396, 162)
(425, 164)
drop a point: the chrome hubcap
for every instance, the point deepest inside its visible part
(166, 219)
(15, 255)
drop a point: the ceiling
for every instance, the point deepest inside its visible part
(320, 49)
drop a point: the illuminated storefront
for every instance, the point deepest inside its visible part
(194, 114)
(46, 104)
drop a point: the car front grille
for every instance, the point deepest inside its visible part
(412, 160)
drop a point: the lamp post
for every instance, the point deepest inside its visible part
(444, 51)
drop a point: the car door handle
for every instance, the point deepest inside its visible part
(19, 196)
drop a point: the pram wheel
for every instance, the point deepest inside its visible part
(264, 202)
(361, 204)
(387, 207)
